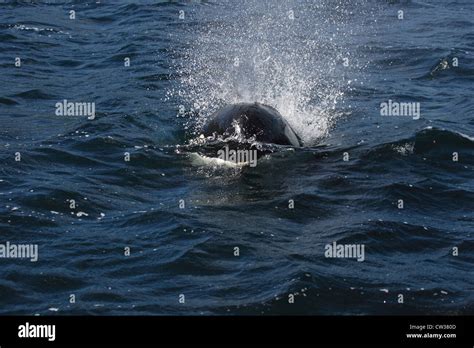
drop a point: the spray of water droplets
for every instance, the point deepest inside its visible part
(286, 54)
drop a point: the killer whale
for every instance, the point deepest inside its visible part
(257, 120)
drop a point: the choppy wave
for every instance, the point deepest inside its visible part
(182, 220)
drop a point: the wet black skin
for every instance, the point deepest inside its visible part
(253, 119)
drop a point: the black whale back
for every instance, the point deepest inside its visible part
(261, 121)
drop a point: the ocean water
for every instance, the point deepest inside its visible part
(142, 236)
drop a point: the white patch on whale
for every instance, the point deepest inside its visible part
(201, 160)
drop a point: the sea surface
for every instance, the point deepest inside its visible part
(129, 220)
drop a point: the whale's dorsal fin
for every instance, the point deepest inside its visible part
(292, 137)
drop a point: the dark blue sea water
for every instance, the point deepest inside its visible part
(326, 66)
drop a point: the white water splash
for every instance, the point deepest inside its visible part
(284, 54)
